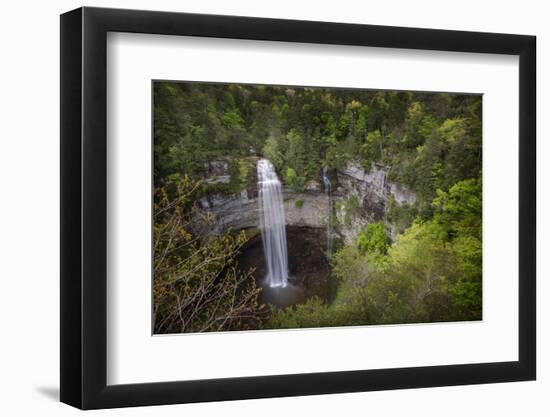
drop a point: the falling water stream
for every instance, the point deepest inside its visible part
(326, 182)
(272, 224)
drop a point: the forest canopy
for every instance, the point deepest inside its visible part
(421, 263)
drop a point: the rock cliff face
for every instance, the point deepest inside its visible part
(361, 197)
(358, 198)
(308, 209)
(217, 171)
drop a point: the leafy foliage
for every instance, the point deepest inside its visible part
(430, 143)
(196, 285)
(373, 239)
(401, 216)
(432, 272)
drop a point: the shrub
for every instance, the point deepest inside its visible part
(373, 239)
(401, 215)
(196, 286)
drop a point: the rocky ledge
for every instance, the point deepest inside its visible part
(359, 197)
(308, 209)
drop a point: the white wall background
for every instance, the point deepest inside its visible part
(29, 225)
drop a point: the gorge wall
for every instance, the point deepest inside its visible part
(358, 198)
(361, 197)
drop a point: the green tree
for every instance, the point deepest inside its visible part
(273, 151)
(371, 150)
(373, 238)
(197, 286)
(295, 160)
(459, 212)
(460, 209)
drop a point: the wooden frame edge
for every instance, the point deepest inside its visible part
(83, 208)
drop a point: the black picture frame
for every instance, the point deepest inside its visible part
(84, 207)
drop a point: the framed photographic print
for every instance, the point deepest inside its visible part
(257, 207)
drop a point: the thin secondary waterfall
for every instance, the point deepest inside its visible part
(272, 224)
(326, 182)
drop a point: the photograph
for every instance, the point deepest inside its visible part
(269, 209)
(257, 206)
(285, 207)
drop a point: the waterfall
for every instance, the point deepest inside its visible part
(326, 182)
(272, 224)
